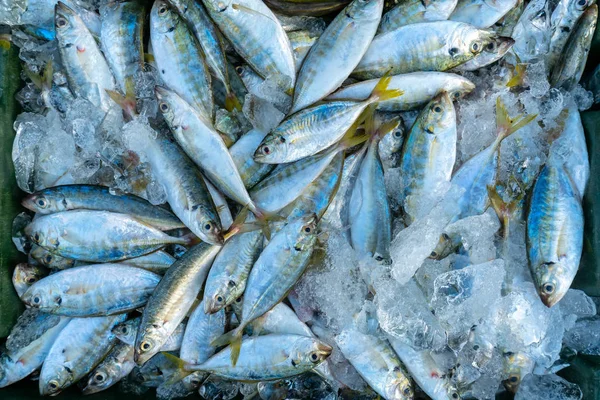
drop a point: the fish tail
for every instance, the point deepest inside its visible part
(232, 338)
(47, 75)
(232, 102)
(507, 125)
(182, 368)
(187, 240)
(518, 74)
(263, 219)
(505, 210)
(381, 92)
(127, 102)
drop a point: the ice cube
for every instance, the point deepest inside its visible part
(547, 387)
(477, 235)
(261, 113)
(584, 337)
(576, 302)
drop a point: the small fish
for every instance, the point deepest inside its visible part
(116, 236)
(80, 345)
(93, 290)
(447, 245)
(506, 25)
(390, 146)
(419, 88)
(91, 197)
(127, 331)
(116, 366)
(446, 45)
(481, 13)
(415, 11)
(495, 50)
(26, 275)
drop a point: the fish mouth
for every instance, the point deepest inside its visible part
(90, 389)
(28, 202)
(210, 307)
(324, 349)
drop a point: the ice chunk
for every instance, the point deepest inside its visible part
(477, 235)
(215, 388)
(584, 337)
(577, 303)
(261, 113)
(547, 387)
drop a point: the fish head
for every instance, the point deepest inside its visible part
(43, 234)
(209, 228)
(467, 42)
(163, 17)
(65, 19)
(516, 366)
(26, 275)
(168, 103)
(127, 330)
(576, 7)
(46, 299)
(192, 382)
(552, 282)
(62, 378)
(438, 114)
(218, 300)
(392, 131)
(398, 386)
(443, 248)
(44, 203)
(273, 149)
(304, 232)
(499, 45)
(364, 10)
(149, 339)
(102, 378)
(459, 87)
(310, 351)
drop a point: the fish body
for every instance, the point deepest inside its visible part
(92, 290)
(257, 36)
(87, 71)
(91, 197)
(554, 233)
(301, 42)
(306, 8)
(79, 347)
(419, 88)
(376, 362)
(337, 52)
(179, 59)
(242, 153)
(415, 11)
(482, 13)
(172, 299)
(26, 275)
(116, 366)
(506, 25)
(115, 237)
(158, 262)
(447, 44)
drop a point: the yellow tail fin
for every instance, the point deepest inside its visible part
(179, 366)
(505, 125)
(232, 102)
(381, 92)
(234, 340)
(518, 77)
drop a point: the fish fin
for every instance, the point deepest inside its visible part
(232, 338)
(381, 92)
(127, 102)
(504, 210)
(240, 7)
(149, 58)
(5, 42)
(263, 219)
(351, 137)
(505, 125)
(369, 116)
(239, 223)
(180, 368)
(36, 79)
(232, 102)
(188, 240)
(518, 76)
(47, 75)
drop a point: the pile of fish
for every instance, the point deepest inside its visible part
(301, 199)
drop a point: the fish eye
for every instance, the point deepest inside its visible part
(31, 280)
(124, 330)
(445, 236)
(164, 107)
(397, 133)
(266, 150)
(195, 382)
(36, 237)
(513, 379)
(453, 51)
(456, 95)
(239, 69)
(99, 377)
(219, 299)
(582, 3)
(548, 288)
(238, 300)
(379, 258)
(207, 226)
(231, 283)
(437, 109)
(307, 229)
(61, 22)
(36, 300)
(42, 202)
(433, 254)
(162, 10)
(476, 347)
(475, 47)
(145, 346)
(53, 385)
(455, 395)
(491, 46)
(314, 357)
(406, 391)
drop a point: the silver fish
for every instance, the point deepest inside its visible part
(414, 11)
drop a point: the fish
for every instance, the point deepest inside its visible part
(264, 358)
(50, 260)
(415, 11)
(480, 171)
(26, 275)
(446, 45)
(226, 280)
(116, 366)
(205, 147)
(242, 153)
(428, 155)
(418, 87)
(532, 32)
(127, 331)
(568, 70)
(172, 299)
(481, 13)
(554, 233)
(197, 19)
(493, 52)
(277, 269)
(257, 36)
(93, 290)
(28, 344)
(121, 38)
(564, 21)
(375, 361)
(180, 59)
(116, 237)
(80, 346)
(336, 52)
(316, 128)
(86, 68)
(91, 197)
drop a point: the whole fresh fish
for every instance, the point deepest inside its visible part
(242, 153)
(279, 266)
(554, 233)
(179, 59)
(568, 69)
(415, 11)
(226, 280)
(28, 345)
(310, 7)
(172, 299)
(158, 262)
(121, 36)
(429, 154)
(481, 13)
(564, 20)
(188, 195)
(87, 71)
(516, 367)
(116, 366)
(494, 51)
(337, 52)
(257, 36)
(418, 87)
(93, 290)
(268, 357)
(127, 331)
(115, 237)
(80, 346)
(376, 362)
(197, 19)
(316, 128)
(480, 171)
(91, 197)
(26, 275)
(204, 146)
(446, 45)
(50, 260)
(301, 42)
